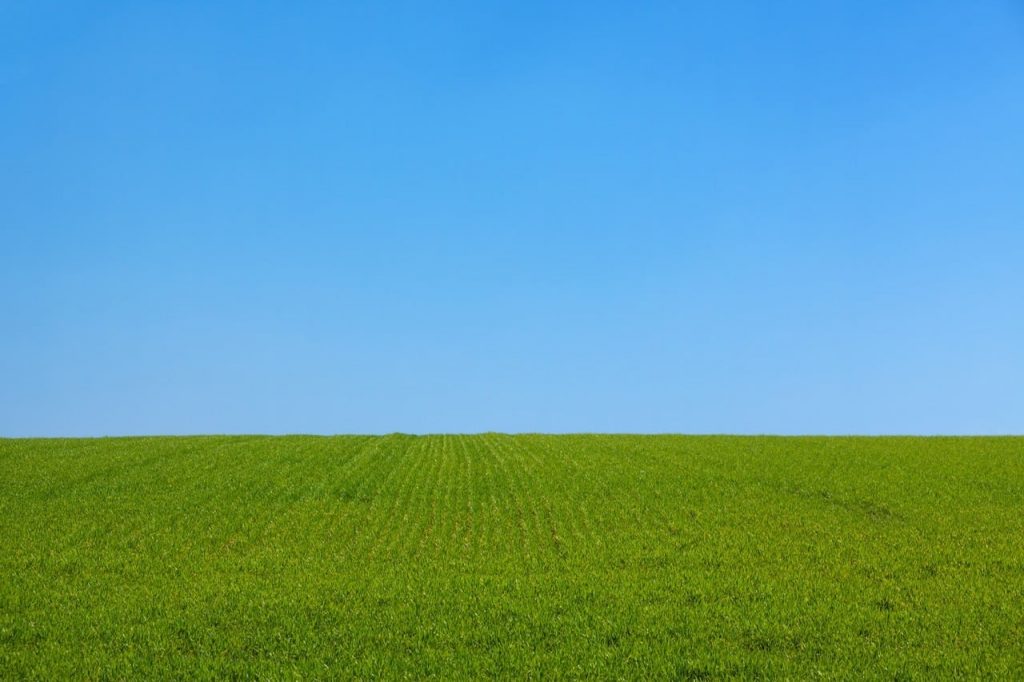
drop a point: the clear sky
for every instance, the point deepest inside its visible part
(747, 217)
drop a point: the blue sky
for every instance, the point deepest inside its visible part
(744, 217)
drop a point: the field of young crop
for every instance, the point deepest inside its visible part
(512, 556)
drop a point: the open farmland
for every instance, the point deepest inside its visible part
(512, 556)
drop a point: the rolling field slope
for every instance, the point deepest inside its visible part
(511, 556)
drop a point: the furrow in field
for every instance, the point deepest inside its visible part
(454, 511)
(397, 540)
(487, 499)
(548, 491)
(449, 479)
(429, 540)
(561, 513)
(467, 490)
(509, 512)
(417, 531)
(527, 490)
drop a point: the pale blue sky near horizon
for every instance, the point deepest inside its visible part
(720, 217)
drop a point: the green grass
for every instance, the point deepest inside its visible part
(512, 556)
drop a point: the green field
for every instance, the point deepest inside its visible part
(512, 556)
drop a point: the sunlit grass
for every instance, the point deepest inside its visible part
(493, 555)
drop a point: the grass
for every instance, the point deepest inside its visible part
(512, 556)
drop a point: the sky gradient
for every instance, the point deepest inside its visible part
(735, 217)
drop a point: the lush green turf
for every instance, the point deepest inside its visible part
(491, 555)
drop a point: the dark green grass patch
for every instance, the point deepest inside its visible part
(512, 556)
